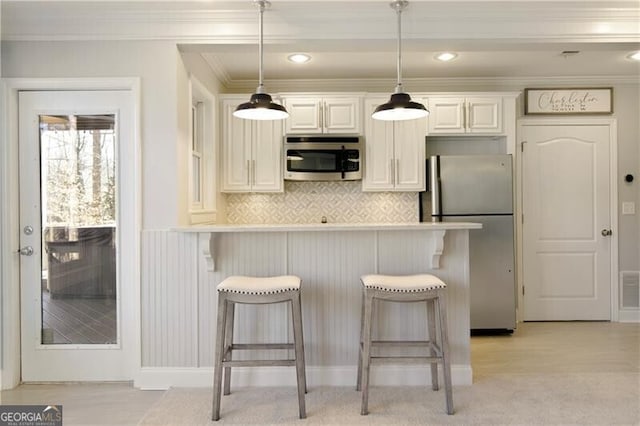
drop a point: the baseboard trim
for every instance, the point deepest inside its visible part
(384, 375)
(629, 315)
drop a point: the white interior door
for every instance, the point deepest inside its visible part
(77, 188)
(567, 223)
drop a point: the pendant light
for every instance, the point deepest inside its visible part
(400, 106)
(261, 106)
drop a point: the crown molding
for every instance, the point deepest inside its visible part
(218, 69)
(235, 22)
(428, 84)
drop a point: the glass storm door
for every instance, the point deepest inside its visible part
(74, 301)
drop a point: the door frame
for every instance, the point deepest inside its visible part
(10, 371)
(613, 200)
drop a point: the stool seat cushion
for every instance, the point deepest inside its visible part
(260, 285)
(403, 283)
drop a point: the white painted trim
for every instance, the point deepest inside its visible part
(203, 22)
(383, 375)
(9, 218)
(613, 200)
(627, 315)
(414, 85)
(9, 242)
(613, 204)
(206, 212)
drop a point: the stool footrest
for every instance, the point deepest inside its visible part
(405, 343)
(406, 359)
(250, 346)
(409, 343)
(260, 363)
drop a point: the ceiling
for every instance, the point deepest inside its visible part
(353, 40)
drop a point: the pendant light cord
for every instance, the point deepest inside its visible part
(261, 5)
(398, 6)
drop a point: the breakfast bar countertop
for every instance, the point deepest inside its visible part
(303, 227)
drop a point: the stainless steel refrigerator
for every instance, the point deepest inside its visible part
(479, 188)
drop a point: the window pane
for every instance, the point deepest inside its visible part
(195, 168)
(78, 179)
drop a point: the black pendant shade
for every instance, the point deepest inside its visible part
(261, 107)
(399, 107)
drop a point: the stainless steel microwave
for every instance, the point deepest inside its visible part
(322, 157)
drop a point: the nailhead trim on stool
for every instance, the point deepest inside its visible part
(403, 283)
(259, 285)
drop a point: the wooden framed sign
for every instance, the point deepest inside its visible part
(568, 101)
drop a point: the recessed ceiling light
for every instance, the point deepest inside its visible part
(446, 56)
(635, 56)
(299, 58)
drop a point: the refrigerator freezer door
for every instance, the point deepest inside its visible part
(491, 272)
(475, 185)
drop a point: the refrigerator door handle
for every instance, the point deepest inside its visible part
(434, 178)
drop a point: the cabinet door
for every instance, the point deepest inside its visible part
(304, 115)
(266, 162)
(409, 149)
(446, 115)
(484, 115)
(236, 149)
(341, 115)
(378, 158)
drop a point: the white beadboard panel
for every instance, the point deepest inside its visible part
(454, 270)
(169, 299)
(308, 202)
(253, 254)
(180, 299)
(330, 265)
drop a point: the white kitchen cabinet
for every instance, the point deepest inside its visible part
(251, 152)
(394, 153)
(465, 114)
(311, 114)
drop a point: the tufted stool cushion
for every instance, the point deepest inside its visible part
(260, 285)
(403, 283)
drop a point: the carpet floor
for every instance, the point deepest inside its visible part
(576, 399)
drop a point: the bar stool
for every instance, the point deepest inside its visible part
(409, 288)
(256, 290)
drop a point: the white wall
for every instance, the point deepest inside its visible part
(157, 65)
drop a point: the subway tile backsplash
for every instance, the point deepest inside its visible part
(308, 202)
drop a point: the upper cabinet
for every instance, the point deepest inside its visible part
(320, 114)
(394, 152)
(251, 152)
(465, 114)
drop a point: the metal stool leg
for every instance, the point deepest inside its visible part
(446, 362)
(431, 323)
(366, 351)
(359, 378)
(217, 367)
(228, 342)
(299, 350)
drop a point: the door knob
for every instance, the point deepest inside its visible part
(26, 251)
(606, 232)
